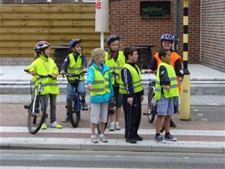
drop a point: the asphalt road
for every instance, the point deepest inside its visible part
(24, 159)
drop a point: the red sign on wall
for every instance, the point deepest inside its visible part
(98, 4)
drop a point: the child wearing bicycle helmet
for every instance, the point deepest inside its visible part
(44, 65)
(166, 90)
(115, 60)
(167, 41)
(99, 81)
(75, 63)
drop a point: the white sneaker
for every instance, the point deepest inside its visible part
(55, 124)
(117, 126)
(112, 126)
(94, 139)
(103, 138)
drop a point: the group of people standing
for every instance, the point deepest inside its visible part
(114, 81)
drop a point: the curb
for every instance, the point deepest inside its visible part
(113, 145)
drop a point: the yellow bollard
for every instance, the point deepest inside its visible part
(185, 112)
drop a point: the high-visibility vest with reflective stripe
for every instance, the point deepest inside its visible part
(115, 66)
(75, 67)
(173, 91)
(45, 66)
(174, 57)
(136, 80)
(100, 85)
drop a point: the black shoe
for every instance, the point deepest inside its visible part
(173, 124)
(170, 137)
(159, 139)
(131, 141)
(138, 138)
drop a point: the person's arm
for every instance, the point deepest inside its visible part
(32, 68)
(90, 78)
(65, 64)
(110, 84)
(178, 68)
(84, 63)
(127, 79)
(164, 78)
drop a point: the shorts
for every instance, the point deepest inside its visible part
(165, 106)
(99, 112)
(118, 97)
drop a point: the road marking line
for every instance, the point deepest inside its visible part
(16, 129)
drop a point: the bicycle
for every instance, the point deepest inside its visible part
(151, 107)
(36, 114)
(74, 105)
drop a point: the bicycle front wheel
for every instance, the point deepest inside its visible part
(151, 106)
(36, 115)
(73, 114)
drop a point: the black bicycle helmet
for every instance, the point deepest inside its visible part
(74, 42)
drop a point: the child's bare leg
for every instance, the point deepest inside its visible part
(102, 127)
(167, 124)
(93, 126)
(159, 121)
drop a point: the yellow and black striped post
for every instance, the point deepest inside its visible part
(185, 113)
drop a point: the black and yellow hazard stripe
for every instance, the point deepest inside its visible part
(185, 33)
(185, 111)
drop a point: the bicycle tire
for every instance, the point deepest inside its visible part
(151, 106)
(36, 115)
(73, 114)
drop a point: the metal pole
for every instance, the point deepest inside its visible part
(177, 38)
(185, 113)
(102, 40)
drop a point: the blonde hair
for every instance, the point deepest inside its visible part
(95, 54)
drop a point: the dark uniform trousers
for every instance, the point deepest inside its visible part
(132, 116)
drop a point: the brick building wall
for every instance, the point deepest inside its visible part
(213, 34)
(126, 21)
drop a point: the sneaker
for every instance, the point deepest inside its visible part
(117, 126)
(103, 138)
(66, 118)
(94, 139)
(131, 141)
(112, 126)
(56, 125)
(159, 138)
(44, 126)
(170, 137)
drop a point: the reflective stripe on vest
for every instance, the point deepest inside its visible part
(115, 66)
(136, 80)
(173, 91)
(100, 85)
(75, 67)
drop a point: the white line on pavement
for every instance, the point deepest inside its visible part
(28, 167)
(17, 129)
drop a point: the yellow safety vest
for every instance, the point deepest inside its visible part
(136, 80)
(75, 67)
(173, 92)
(100, 84)
(115, 66)
(45, 66)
